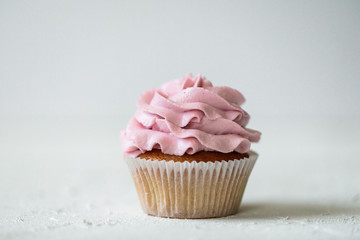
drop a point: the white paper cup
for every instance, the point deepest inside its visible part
(191, 189)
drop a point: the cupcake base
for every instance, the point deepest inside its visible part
(193, 189)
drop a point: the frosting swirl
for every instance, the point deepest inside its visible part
(189, 115)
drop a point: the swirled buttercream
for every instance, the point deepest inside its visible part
(189, 115)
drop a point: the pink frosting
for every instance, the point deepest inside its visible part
(189, 115)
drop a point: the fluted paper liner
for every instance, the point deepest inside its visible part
(191, 189)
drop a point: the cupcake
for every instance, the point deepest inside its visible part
(188, 149)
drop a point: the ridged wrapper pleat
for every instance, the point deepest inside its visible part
(191, 189)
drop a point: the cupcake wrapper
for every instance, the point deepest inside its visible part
(191, 189)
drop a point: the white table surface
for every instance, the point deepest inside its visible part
(64, 178)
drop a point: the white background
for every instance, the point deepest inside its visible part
(71, 72)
